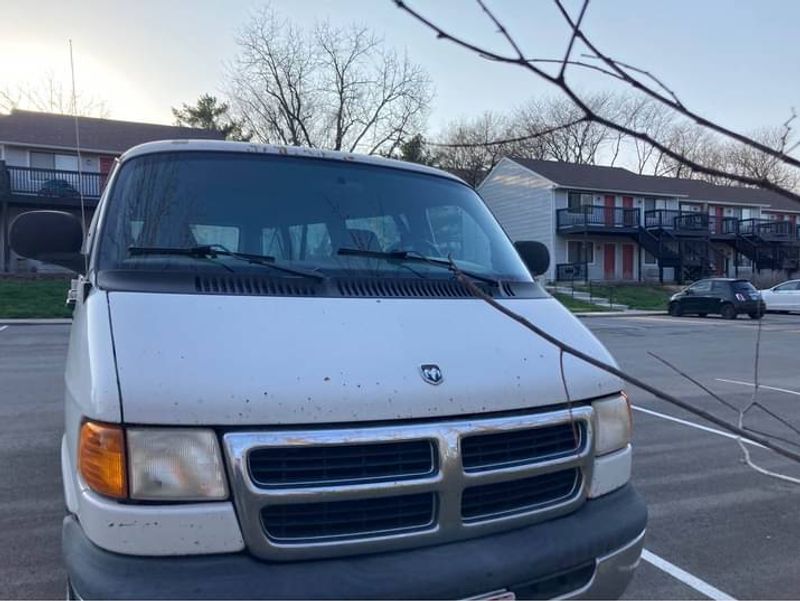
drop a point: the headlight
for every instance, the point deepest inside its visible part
(176, 464)
(612, 424)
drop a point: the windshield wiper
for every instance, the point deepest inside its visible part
(416, 257)
(212, 251)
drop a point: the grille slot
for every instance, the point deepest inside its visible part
(340, 464)
(251, 286)
(488, 451)
(361, 517)
(400, 287)
(489, 500)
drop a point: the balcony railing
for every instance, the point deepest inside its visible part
(55, 183)
(597, 217)
(768, 229)
(723, 226)
(679, 221)
(570, 272)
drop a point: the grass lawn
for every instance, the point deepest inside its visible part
(34, 298)
(647, 297)
(576, 305)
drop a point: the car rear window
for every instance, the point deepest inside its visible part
(743, 285)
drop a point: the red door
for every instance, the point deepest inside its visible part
(627, 261)
(609, 211)
(718, 213)
(627, 203)
(610, 261)
(106, 164)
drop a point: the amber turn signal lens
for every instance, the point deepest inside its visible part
(101, 459)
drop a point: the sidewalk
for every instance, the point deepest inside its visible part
(34, 321)
(585, 297)
(628, 313)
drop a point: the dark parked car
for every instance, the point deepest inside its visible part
(725, 296)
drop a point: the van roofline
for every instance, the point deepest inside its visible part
(295, 151)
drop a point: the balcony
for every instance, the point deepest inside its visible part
(597, 219)
(28, 183)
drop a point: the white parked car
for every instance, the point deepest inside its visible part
(275, 388)
(783, 297)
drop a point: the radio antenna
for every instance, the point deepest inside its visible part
(78, 149)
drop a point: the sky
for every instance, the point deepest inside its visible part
(735, 61)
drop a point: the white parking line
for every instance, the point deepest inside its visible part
(3, 328)
(751, 385)
(678, 420)
(701, 586)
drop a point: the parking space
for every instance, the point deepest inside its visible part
(731, 531)
(717, 527)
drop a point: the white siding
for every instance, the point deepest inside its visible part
(523, 204)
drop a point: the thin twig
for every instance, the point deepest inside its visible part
(575, 434)
(624, 74)
(575, 32)
(615, 371)
(524, 138)
(731, 405)
(695, 382)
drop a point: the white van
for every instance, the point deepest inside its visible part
(276, 388)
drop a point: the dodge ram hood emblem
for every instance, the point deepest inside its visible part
(431, 373)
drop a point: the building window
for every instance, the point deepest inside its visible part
(576, 201)
(50, 161)
(649, 258)
(580, 252)
(43, 160)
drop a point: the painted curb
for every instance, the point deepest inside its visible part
(35, 322)
(619, 313)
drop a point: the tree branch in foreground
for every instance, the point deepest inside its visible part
(614, 371)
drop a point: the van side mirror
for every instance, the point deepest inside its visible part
(51, 236)
(534, 254)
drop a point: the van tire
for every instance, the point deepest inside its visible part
(728, 311)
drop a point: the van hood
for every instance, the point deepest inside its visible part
(249, 360)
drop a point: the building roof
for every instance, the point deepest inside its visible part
(616, 179)
(50, 130)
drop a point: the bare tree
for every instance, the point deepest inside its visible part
(579, 142)
(329, 87)
(464, 149)
(646, 115)
(50, 95)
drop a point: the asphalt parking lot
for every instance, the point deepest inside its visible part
(717, 528)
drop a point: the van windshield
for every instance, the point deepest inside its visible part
(301, 213)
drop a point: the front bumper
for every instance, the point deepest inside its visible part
(588, 554)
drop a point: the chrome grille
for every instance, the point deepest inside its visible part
(292, 466)
(520, 446)
(358, 517)
(343, 508)
(514, 496)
